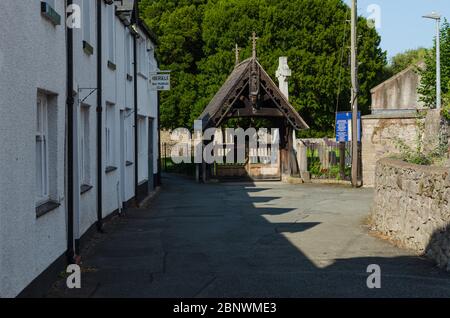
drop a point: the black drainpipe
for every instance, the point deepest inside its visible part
(136, 150)
(99, 118)
(70, 104)
(158, 182)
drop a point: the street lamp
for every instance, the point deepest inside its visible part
(437, 17)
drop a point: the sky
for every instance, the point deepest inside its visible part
(401, 25)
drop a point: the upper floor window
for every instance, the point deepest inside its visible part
(128, 53)
(111, 33)
(86, 18)
(142, 61)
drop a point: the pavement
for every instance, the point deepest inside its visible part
(250, 240)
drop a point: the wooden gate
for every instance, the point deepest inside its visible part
(256, 167)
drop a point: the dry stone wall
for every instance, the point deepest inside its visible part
(411, 206)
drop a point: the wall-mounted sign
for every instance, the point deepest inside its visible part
(160, 82)
(344, 126)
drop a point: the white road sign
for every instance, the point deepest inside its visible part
(160, 82)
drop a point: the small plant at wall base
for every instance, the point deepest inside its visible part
(411, 154)
(446, 104)
(415, 154)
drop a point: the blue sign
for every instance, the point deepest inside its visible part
(344, 126)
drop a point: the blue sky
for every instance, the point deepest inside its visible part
(402, 25)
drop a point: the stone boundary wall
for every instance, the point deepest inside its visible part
(411, 207)
(379, 139)
(166, 143)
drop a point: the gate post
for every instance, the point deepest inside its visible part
(342, 160)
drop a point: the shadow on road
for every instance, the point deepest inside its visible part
(245, 240)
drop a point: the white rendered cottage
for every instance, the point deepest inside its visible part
(63, 172)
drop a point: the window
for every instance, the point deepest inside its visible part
(87, 20)
(51, 3)
(42, 175)
(48, 11)
(150, 58)
(129, 138)
(84, 153)
(110, 135)
(128, 53)
(142, 135)
(111, 32)
(142, 150)
(142, 63)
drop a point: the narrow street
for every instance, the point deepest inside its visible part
(250, 240)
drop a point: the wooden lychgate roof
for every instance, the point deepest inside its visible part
(249, 92)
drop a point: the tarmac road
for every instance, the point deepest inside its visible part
(250, 240)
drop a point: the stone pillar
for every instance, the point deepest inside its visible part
(302, 159)
(435, 133)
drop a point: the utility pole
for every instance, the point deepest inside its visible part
(354, 95)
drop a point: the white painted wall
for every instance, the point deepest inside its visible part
(147, 100)
(110, 96)
(32, 57)
(85, 77)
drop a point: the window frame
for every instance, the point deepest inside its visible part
(110, 159)
(42, 193)
(111, 25)
(142, 147)
(84, 149)
(86, 22)
(129, 137)
(128, 54)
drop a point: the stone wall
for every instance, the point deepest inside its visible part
(411, 206)
(379, 135)
(398, 92)
(166, 143)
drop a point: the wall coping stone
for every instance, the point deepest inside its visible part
(400, 164)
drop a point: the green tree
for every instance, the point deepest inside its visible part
(405, 59)
(427, 88)
(177, 24)
(313, 34)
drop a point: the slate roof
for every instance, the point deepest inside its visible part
(228, 91)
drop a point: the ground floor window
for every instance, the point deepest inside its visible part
(84, 154)
(142, 150)
(42, 175)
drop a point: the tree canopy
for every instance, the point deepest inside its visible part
(405, 59)
(197, 38)
(427, 88)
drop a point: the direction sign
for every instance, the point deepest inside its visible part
(160, 82)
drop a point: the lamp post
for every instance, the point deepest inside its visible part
(437, 17)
